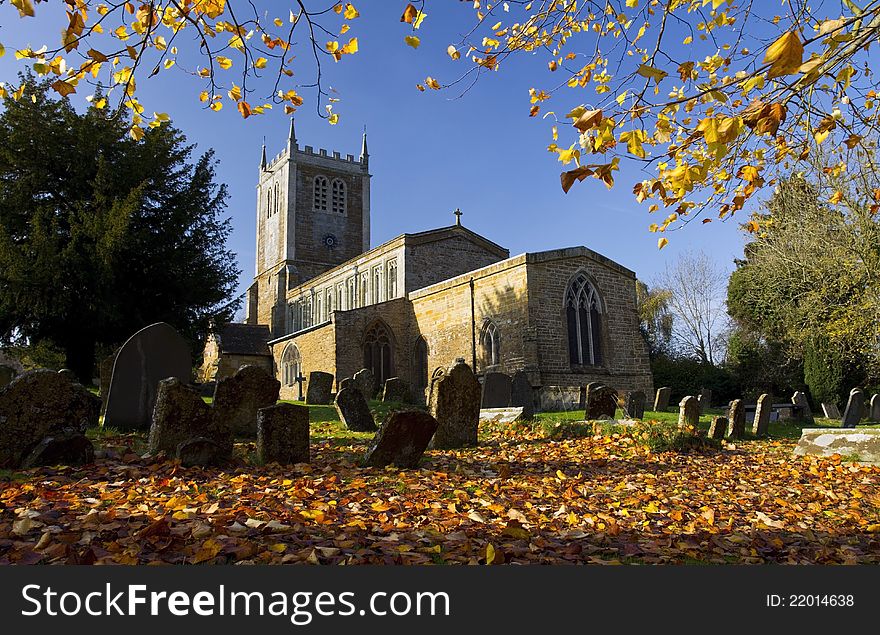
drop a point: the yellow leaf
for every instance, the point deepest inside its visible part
(224, 62)
(278, 22)
(235, 93)
(412, 41)
(380, 507)
(333, 119)
(244, 109)
(100, 103)
(836, 197)
(216, 106)
(419, 19)
(490, 553)
(2, 50)
(785, 55)
(409, 14)
(650, 72)
(589, 119)
(63, 88)
(350, 12)
(203, 96)
(136, 132)
(352, 47)
(453, 52)
(432, 83)
(260, 62)
(25, 7)
(662, 243)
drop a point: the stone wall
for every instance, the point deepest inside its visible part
(316, 348)
(430, 262)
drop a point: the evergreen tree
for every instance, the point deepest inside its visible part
(100, 234)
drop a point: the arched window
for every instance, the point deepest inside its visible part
(269, 202)
(377, 285)
(351, 283)
(420, 364)
(321, 187)
(277, 198)
(291, 365)
(379, 352)
(489, 341)
(362, 288)
(392, 280)
(583, 311)
(329, 302)
(338, 199)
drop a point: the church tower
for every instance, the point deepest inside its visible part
(313, 213)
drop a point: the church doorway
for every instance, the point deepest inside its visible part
(379, 353)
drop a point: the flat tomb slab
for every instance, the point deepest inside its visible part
(500, 415)
(860, 445)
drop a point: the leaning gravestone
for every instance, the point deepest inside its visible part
(7, 374)
(661, 399)
(395, 390)
(402, 440)
(348, 382)
(152, 354)
(181, 415)
(201, 451)
(875, 408)
(497, 389)
(40, 404)
(736, 418)
(585, 393)
(522, 395)
(366, 383)
(601, 403)
(718, 428)
(455, 404)
(354, 411)
(853, 413)
(705, 399)
(800, 399)
(688, 414)
(635, 404)
(105, 370)
(238, 398)
(65, 448)
(761, 424)
(320, 388)
(283, 434)
(830, 410)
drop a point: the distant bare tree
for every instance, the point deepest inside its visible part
(697, 288)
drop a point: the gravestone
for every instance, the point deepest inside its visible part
(395, 390)
(182, 415)
(366, 383)
(522, 395)
(64, 448)
(401, 440)
(862, 445)
(40, 404)
(500, 416)
(875, 408)
(800, 399)
(736, 419)
(601, 403)
(705, 399)
(354, 411)
(154, 353)
(853, 413)
(283, 434)
(496, 390)
(7, 374)
(661, 399)
(201, 451)
(635, 404)
(320, 388)
(688, 414)
(585, 393)
(761, 423)
(238, 398)
(718, 428)
(348, 382)
(455, 404)
(105, 370)
(830, 410)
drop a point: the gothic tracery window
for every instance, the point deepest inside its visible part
(379, 352)
(583, 312)
(489, 341)
(321, 193)
(338, 196)
(291, 365)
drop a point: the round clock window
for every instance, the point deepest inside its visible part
(330, 240)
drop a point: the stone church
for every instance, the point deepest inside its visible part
(323, 299)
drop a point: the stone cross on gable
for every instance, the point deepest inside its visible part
(457, 213)
(299, 379)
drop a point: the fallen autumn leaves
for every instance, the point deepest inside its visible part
(517, 498)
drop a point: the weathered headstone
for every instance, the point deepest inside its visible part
(238, 398)
(800, 399)
(201, 451)
(40, 404)
(736, 419)
(601, 403)
(154, 353)
(661, 399)
(7, 374)
(395, 390)
(761, 423)
(853, 413)
(354, 411)
(496, 390)
(875, 408)
(585, 393)
(522, 395)
(181, 415)
(401, 440)
(348, 382)
(455, 404)
(320, 388)
(718, 428)
(366, 383)
(64, 448)
(830, 410)
(283, 434)
(861, 445)
(105, 370)
(688, 414)
(635, 404)
(705, 399)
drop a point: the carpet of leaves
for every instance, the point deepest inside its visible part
(517, 498)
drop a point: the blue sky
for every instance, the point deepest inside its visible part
(429, 152)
